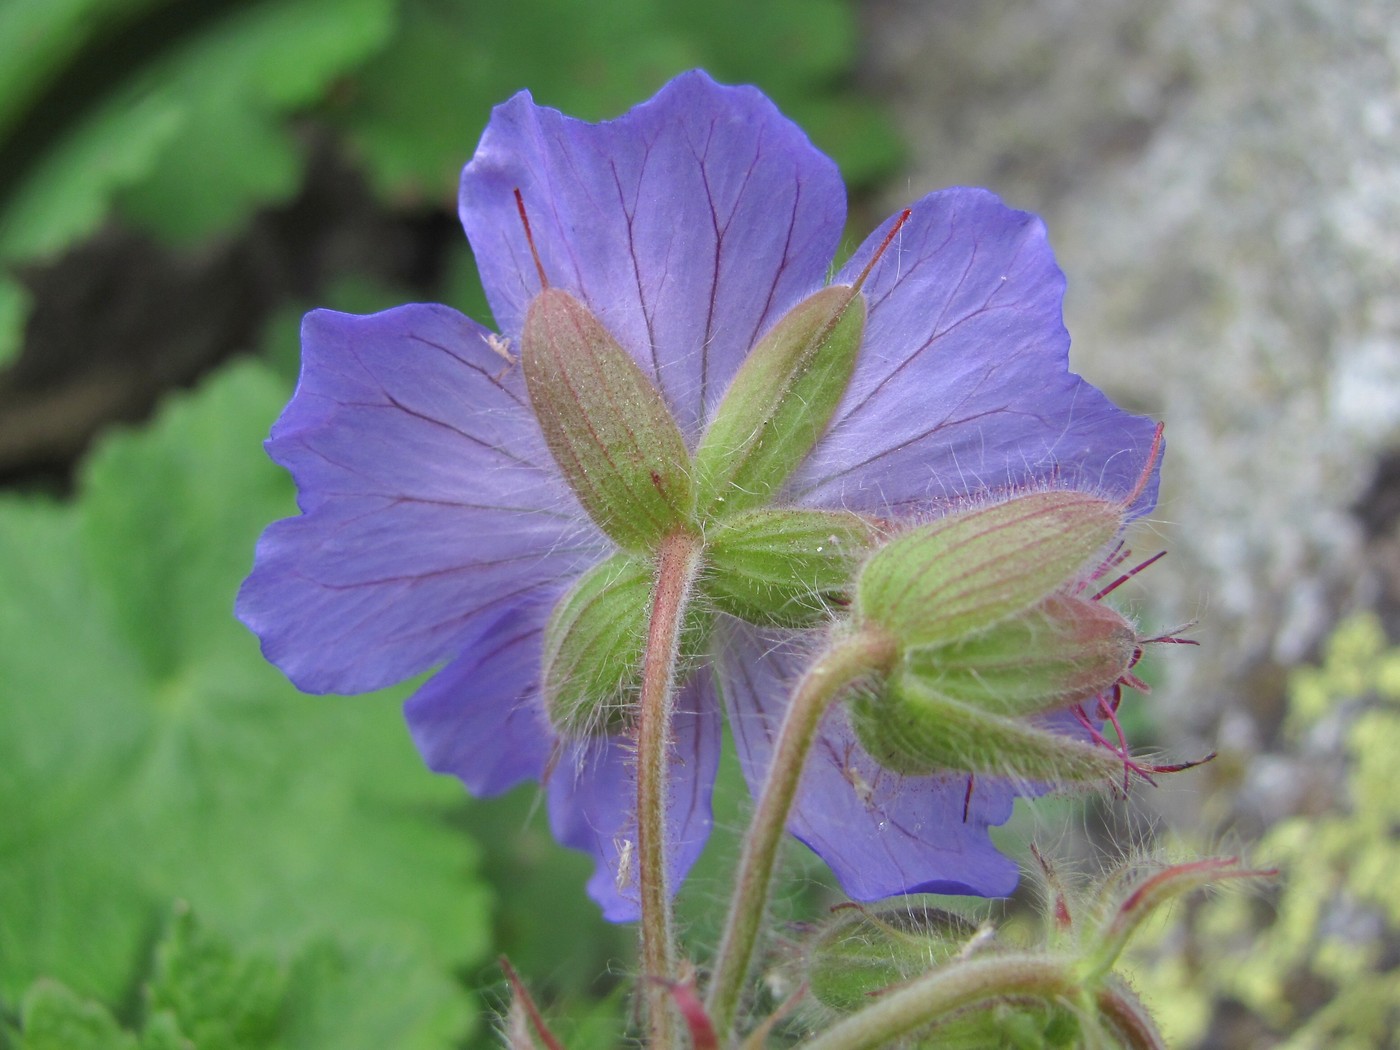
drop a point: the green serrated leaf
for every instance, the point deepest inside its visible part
(219, 1001)
(239, 75)
(65, 194)
(148, 754)
(53, 1017)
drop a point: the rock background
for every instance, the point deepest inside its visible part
(1222, 186)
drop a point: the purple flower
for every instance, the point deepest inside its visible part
(436, 531)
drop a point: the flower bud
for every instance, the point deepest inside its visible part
(607, 426)
(1063, 650)
(593, 648)
(863, 951)
(780, 401)
(784, 568)
(965, 572)
(910, 729)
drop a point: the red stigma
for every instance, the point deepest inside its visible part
(1117, 560)
(530, 237)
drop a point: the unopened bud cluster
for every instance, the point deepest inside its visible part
(967, 987)
(623, 455)
(984, 607)
(979, 604)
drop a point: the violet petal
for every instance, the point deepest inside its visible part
(480, 718)
(881, 833)
(689, 225)
(593, 801)
(428, 500)
(962, 385)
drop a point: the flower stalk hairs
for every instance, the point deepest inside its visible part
(689, 480)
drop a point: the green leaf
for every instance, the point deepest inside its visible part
(14, 312)
(193, 136)
(238, 76)
(53, 1017)
(461, 59)
(148, 754)
(218, 1000)
(65, 193)
(42, 35)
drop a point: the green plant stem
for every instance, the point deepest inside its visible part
(938, 993)
(848, 658)
(1130, 1020)
(677, 565)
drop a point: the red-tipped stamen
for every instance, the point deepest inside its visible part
(1181, 767)
(1152, 456)
(530, 237)
(1117, 557)
(1125, 577)
(889, 237)
(1172, 637)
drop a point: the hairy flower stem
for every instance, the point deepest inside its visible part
(678, 562)
(847, 659)
(938, 993)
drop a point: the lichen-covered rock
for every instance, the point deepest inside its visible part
(1220, 181)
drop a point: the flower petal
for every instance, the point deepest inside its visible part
(689, 225)
(593, 801)
(963, 384)
(480, 718)
(428, 499)
(881, 833)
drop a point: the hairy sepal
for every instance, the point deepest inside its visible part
(909, 729)
(606, 425)
(969, 570)
(1056, 653)
(860, 952)
(593, 648)
(780, 401)
(784, 568)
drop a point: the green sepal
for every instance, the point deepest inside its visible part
(784, 568)
(593, 648)
(971, 569)
(910, 729)
(607, 426)
(1063, 650)
(780, 401)
(862, 951)
(594, 643)
(1027, 1024)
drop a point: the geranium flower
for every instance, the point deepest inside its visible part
(436, 531)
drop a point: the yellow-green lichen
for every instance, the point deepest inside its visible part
(1339, 899)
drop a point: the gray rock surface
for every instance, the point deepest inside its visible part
(1222, 187)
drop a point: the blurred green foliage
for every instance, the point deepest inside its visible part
(182, 118)
(1319, 969)
(191, 852)
(148, 755)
